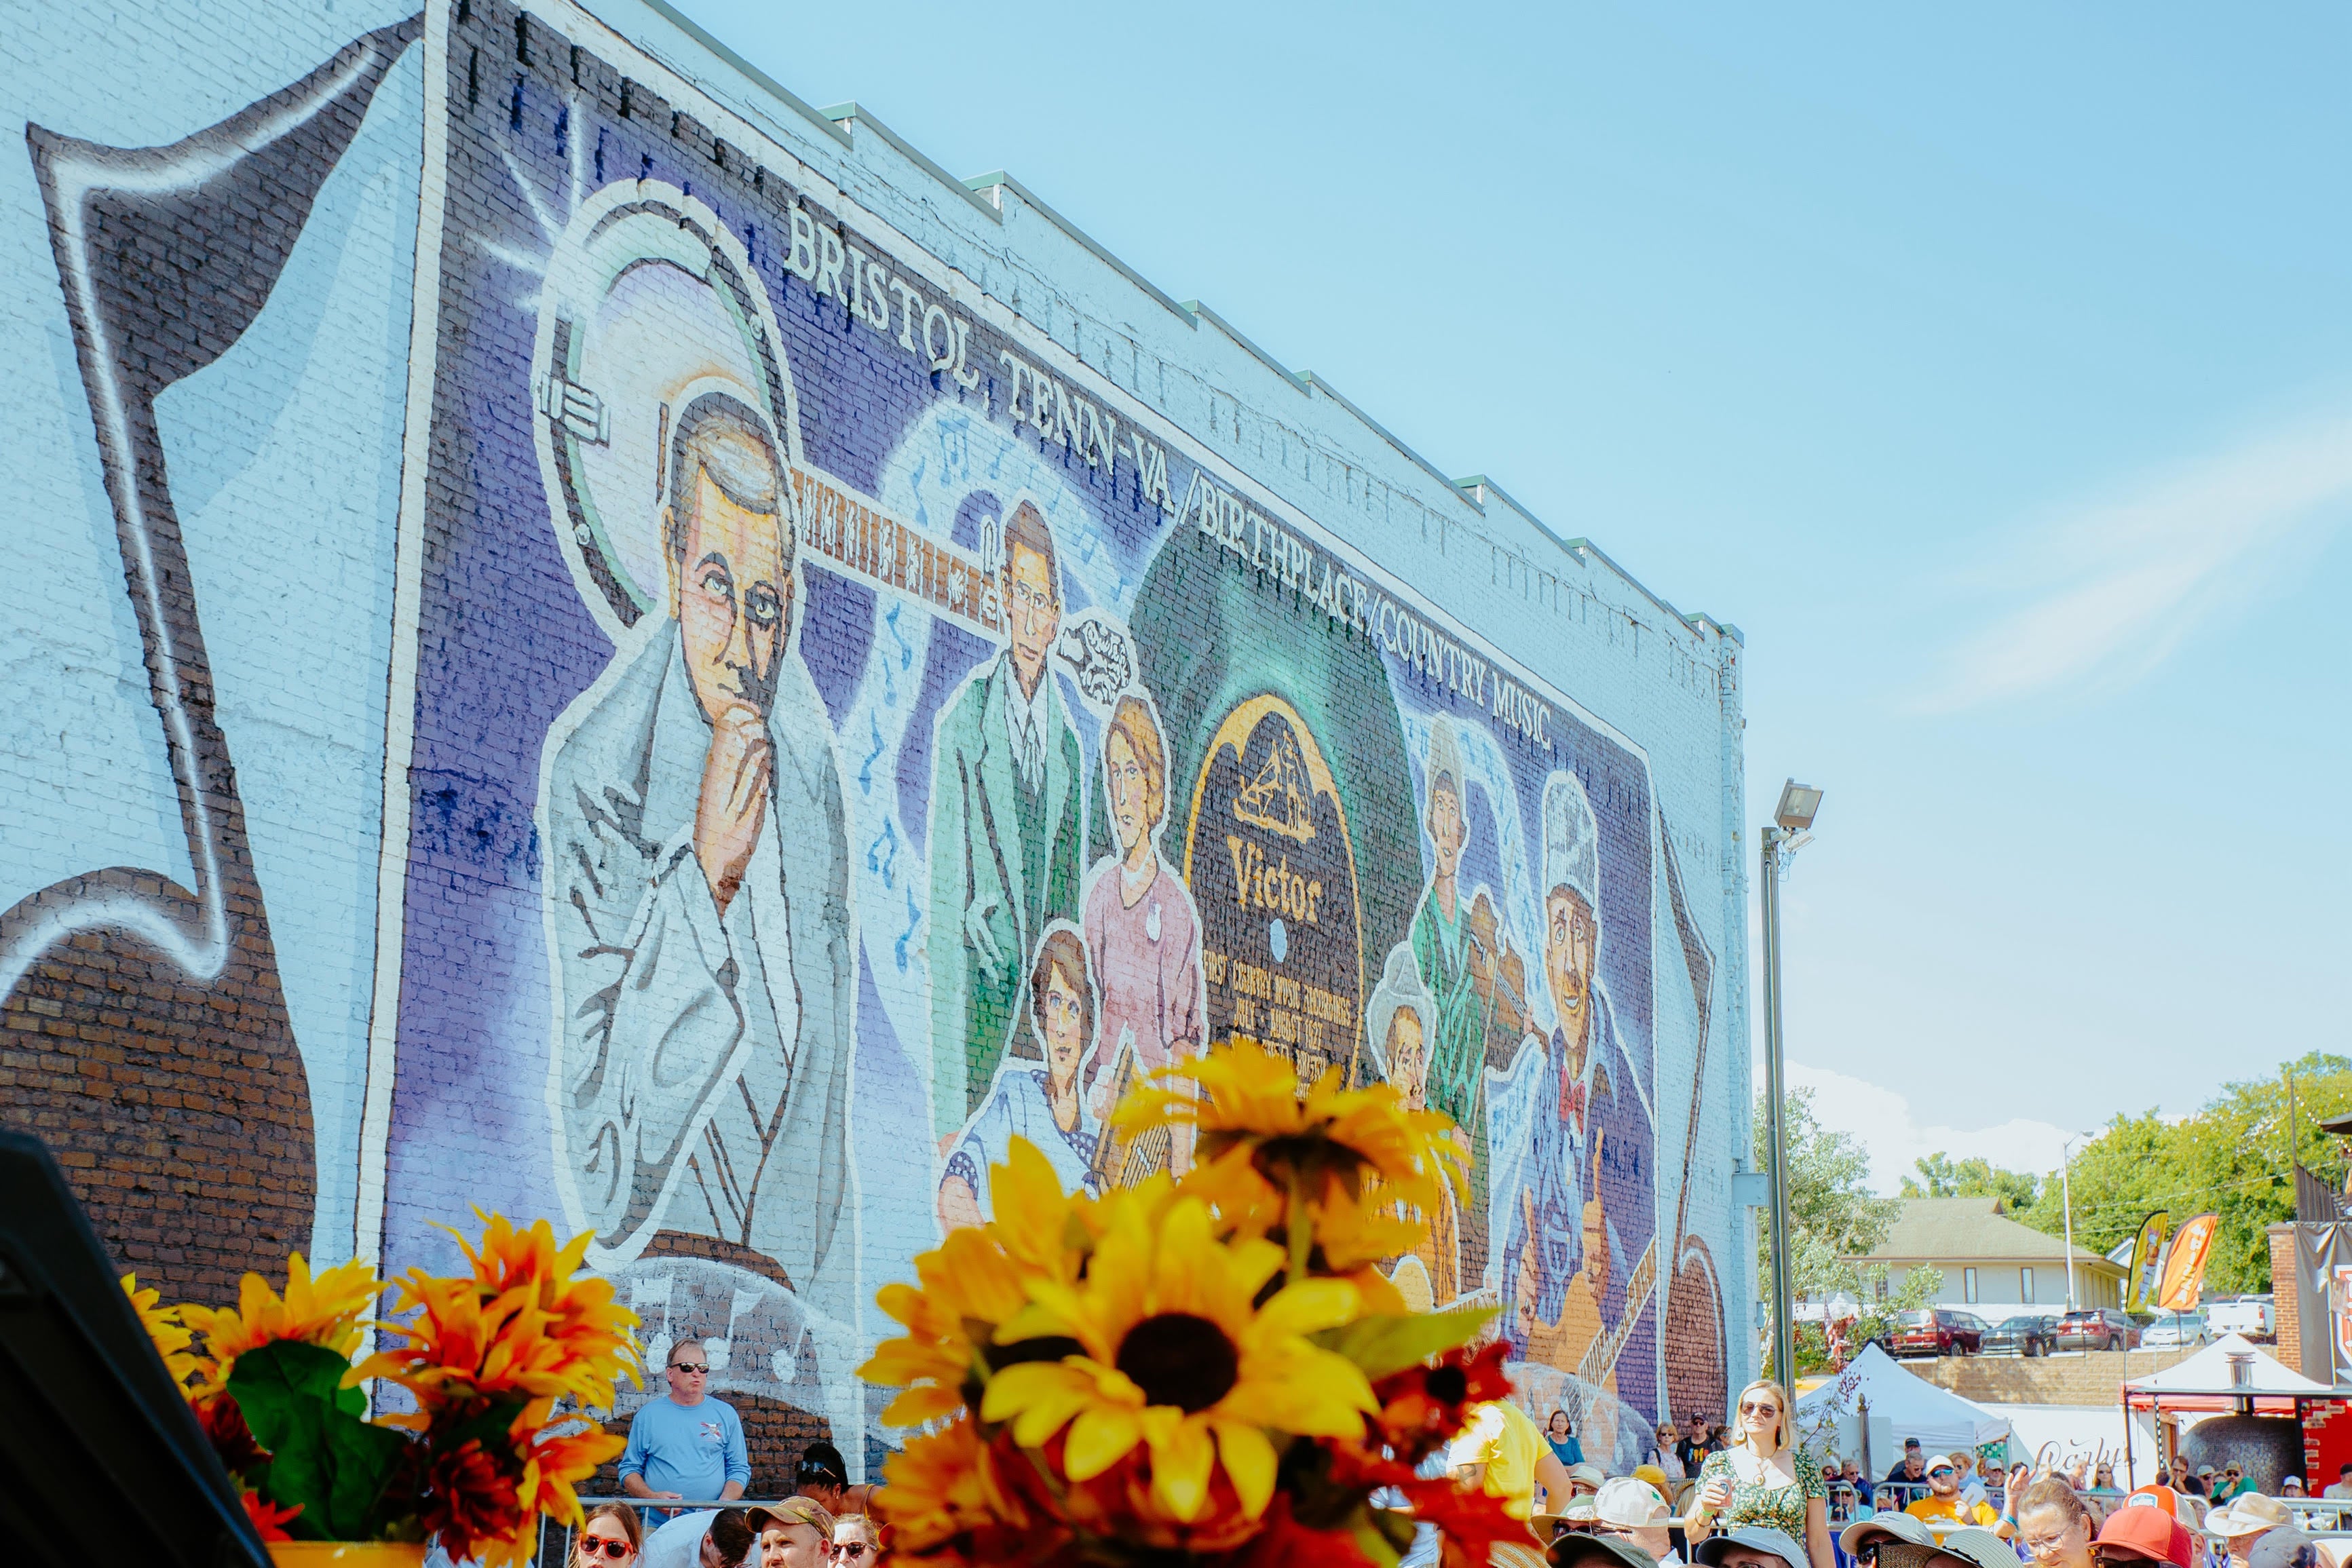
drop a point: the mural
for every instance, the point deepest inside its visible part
(849, 733)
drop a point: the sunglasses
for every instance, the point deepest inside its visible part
(853, 1550)
(691, 1368)
(1759, 1407)
(604, 1546)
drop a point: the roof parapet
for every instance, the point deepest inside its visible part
(990, 189)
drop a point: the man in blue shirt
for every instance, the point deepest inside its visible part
(688, 1446)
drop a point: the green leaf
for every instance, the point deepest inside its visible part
(324, 1456)
(1391, 1342)
(1367, 1529)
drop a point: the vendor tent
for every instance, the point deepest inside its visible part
(2229, 1369)
(1901, 1405)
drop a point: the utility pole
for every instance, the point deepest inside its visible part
(1784, 836)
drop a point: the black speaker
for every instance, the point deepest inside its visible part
(104, 1459)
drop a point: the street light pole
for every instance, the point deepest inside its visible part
(1786, 834)
(2066, 1188)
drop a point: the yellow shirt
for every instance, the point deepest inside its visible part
(1951, 1508)
(1500, 1436)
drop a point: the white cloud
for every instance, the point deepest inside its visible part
(2118, 584)
(1886, 1126)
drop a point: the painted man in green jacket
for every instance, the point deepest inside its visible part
(1007, 826)
(1449, 953)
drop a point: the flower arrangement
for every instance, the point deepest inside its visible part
(1208, 1368)
(485, 1359)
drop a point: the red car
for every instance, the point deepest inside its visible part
(1937, 1330)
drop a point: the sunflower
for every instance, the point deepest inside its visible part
(556, 1463)
(1170, 1354)
(968, 1286)
(170, 1336)
(1311, 1149)
(522, 1325)
(329, 1310)
(944, 1500)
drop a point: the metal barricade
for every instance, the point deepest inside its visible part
(554, 1549)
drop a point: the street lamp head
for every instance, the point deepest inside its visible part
(1799, 803)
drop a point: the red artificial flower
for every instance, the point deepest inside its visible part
(470, 1501)
(1470, 1523)
(1425, 1404)
(268, 1518)
(1284, 1542)
(224, 1429)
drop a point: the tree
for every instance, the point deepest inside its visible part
(1941, 1175)
(1834, 1217)
(2230, 1157)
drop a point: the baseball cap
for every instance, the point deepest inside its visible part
(1941, 1462)
(1591, 1475)
(1628, 1502)
(1603, 1551)
(1901, 1526)
(1655, 1476)
(792, 1510)
(1910, 1443)
(2248, 1513)
(2149, 1531)
(2161, 1497)
(1755, 1538)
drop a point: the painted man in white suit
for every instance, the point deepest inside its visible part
(698, 871)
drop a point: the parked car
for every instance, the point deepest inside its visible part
(2173, 1330)
(2247, 1315)
(2097, 1328)
(1938, 1331)
(2027, 1335)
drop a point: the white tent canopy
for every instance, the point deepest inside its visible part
(1901, 1405)
(2208, 1372)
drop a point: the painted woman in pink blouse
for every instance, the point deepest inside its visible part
(1142, 929)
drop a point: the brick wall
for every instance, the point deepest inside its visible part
(2286, 1297)
(2091, 1377)
(360, 708)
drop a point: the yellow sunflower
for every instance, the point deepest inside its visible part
(968, 1286)
(328, 1310)
(943, 1486)
(163, 1327)
(1170, 1354)
(1328, 1135)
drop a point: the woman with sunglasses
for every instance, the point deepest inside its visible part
(856, 1542)
(1761, 1478)
(611, 1537)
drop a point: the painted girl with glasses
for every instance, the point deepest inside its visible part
(1763, 1478)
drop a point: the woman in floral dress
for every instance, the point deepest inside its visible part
(1761, 1478)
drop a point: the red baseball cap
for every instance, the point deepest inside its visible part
(2148, 1531)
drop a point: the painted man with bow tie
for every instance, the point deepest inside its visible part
(1007, 820)
(1589, 1148)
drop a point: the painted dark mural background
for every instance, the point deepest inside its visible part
(847, 734)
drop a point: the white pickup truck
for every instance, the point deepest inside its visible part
(2247, 1315)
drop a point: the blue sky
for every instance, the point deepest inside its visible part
(1991, 369)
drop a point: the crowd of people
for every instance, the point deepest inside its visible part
(687, 1464)
(1753, 1499)
(1742, 1496)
